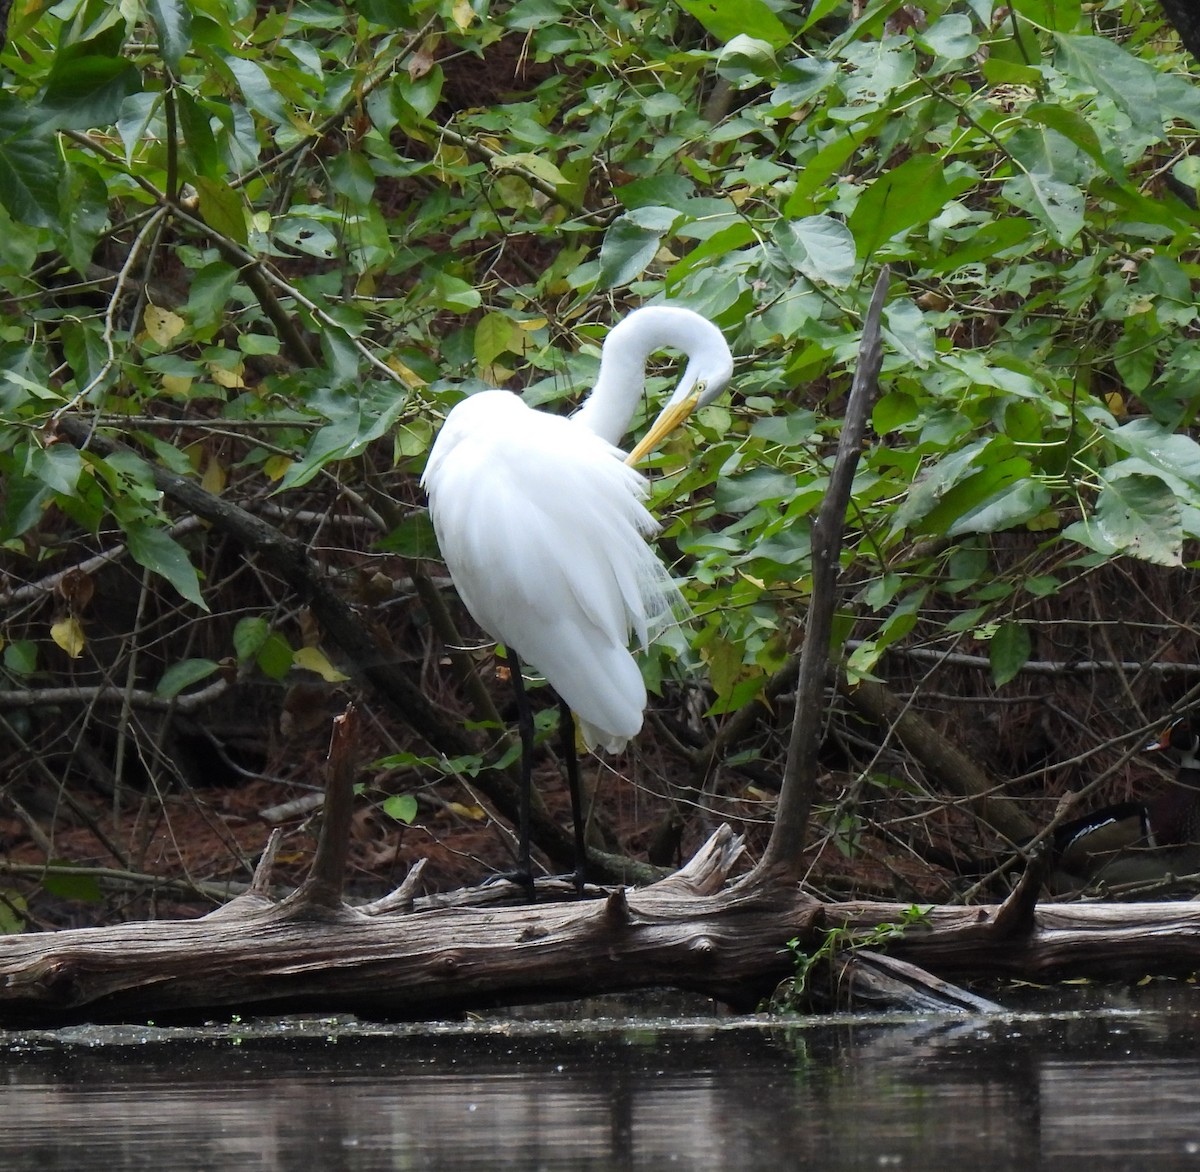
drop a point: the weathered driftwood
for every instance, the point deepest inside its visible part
(690, 931)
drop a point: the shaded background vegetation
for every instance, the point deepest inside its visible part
(268, 246)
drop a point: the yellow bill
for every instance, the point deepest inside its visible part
(673, 415)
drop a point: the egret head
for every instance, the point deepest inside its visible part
(707, 374)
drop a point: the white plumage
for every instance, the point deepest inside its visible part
(543, 528)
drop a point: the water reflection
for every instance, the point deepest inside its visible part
(1096, 1092)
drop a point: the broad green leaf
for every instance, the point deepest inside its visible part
(1129, 83)
(951, 36)
(1017, 500)
(821, 248)
(908, 195)
(1137, 515)
(1074, 126)
(536, 165)
(727, 19)
(1059, 15)
(209, 295)
(134, 124)
(907, 329)
(412, 538)
(58, 467)
(1008, 651)
(154, 548)
(13, 908)
(173, 19)
(274, 657)
(84, 92)
(261, 96)
(498, 334)
(85, 197)
(64, 885)
(20, 657)
(249, 635)
(182, 675)
(402, 807)
(452, 293)
(1058, 205)
(625, 253)
(30, 165)
(199, 142)
(223, 209)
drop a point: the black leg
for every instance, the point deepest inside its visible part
(566, 730)
(524, 874)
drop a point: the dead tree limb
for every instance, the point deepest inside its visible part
(782, 856)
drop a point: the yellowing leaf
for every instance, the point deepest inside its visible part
(274, 467)
(408, 376)
(214, 477)
(176, 384)
(227, 378)
(313, 659)
(162, 325)
(463, 14)
(68, 634)
(473, 813)
(535, 165)
(531, 324)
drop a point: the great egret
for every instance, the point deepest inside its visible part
(542, 526)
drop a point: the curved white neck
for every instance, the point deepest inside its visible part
(622, 378)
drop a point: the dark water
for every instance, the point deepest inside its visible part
(1100, 1091)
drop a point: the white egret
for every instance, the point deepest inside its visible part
(542, 525)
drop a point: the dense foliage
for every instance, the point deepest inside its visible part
(270, 245)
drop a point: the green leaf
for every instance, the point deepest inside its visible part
(209, 295)
(154, 548)
(85, 198)
(30, 165)
(455, 294)
(625, 253)
(223, 209)
(1008, 651)
(199, 143)
(951, 37)
(83, 92)
(497, 334)
(58, 467)
(412, 538)
(1007, 499)
(173, 19)
(20, 657)
(402, 807)
(248, 637)
(910, 194)
(1058, 205)
(1050, 14)
(727, 19)
(256, 87)
(1129, 83)
(182, 675)
(1137, 515)
(274, 657)
(64, 885)
(821, 248)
